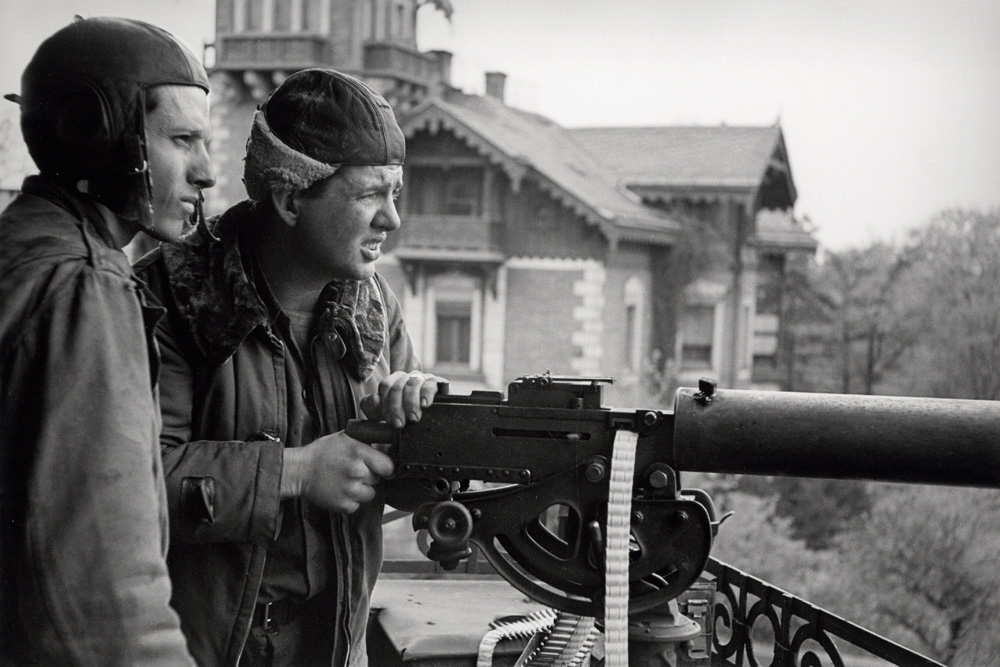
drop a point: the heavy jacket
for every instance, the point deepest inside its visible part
(83, 530)
(225, 419)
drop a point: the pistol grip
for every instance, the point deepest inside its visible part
(372, 432)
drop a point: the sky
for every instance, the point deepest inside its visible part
(890, 109)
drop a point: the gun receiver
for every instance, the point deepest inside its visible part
(549, 445)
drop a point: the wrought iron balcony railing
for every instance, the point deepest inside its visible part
(803, 634)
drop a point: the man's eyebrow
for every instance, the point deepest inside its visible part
(386, 183)
(183, 128)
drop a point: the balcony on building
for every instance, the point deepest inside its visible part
(399, 62)
(271, 51)
(445, 212)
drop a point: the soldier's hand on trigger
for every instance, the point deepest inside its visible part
(401, 397)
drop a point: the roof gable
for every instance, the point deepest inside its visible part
(523, 143)
(719, 157)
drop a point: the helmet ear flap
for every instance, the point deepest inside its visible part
(71, 133)
(86, 129)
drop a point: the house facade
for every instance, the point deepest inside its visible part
(526, 246)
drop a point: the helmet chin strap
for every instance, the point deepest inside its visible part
(197, 220)
(139, 205)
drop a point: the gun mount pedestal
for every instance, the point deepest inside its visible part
(677, 634)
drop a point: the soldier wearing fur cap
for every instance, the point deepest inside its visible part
(115, 115)
(278, 331)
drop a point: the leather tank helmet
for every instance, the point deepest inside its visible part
(83, 104)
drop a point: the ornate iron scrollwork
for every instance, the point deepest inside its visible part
(804, 634)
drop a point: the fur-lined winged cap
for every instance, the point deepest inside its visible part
(314, 122)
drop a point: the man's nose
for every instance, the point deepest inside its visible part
(202, 173)
(388, 217)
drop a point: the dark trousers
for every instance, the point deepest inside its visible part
(305, 640)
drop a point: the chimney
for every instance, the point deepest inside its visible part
(443, 60)
(494, 84)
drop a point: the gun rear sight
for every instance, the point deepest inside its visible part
(558, 391)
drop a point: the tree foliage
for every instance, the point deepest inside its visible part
(922, 319)
(922, 566)
(855, 318)
(760, 541)
(955, 264)
(817, 509)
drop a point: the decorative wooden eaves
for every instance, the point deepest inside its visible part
(433, 119)
(666, 195)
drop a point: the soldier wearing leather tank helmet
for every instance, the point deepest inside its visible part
(115, 115)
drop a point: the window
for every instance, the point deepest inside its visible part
(629, 334)
(767, 323)
(545, 220)
(454, 327)
(765, 342)
(437, 191)
(697, 334)
(635, 299)
(463, 192)
(770, 273)
(453, 342)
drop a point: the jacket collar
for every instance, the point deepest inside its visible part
(79, 205)
(208, 277)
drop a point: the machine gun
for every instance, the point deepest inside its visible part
(550, 444)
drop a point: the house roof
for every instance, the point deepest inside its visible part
(522, 143)
(687, 156)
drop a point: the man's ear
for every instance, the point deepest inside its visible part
(286, 205)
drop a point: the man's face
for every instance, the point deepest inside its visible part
(177, 149)
(343, 221)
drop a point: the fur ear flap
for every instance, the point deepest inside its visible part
(270, 164)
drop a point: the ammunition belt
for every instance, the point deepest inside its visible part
(616, 541)
(564, 640)
(529, 626)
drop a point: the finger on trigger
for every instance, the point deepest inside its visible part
(378, 463)
(386, 448)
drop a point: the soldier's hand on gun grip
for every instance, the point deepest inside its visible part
(334, 472)
(401, 397)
